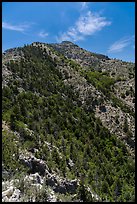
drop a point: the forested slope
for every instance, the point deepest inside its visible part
(55, 113)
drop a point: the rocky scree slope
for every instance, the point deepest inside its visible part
(67, 127)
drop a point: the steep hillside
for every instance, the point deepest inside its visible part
(68, 125)
(95, 61)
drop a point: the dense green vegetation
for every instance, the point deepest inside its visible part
(41, 108)
(10, 153)
(100, 81)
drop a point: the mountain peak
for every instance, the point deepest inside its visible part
(67, 42)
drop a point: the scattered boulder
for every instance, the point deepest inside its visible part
(8, 192)
(37, 166)
(51, 181)
(15, 196)
(102, 108)
(66, 187)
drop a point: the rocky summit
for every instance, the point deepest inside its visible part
(68, 125)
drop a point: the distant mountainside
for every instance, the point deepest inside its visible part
(68, 125)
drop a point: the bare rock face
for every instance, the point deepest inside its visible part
(34, 164)
(8, 192)
(62, 186)
(9, 55)
(37, 166)
(11, 194)
(15, 196)
(36, 182)
(78, 54)
(51, 181)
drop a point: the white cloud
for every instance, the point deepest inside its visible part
(87, 24)
(84, 5)
(43, 34)
(19, 28)
(119, 45)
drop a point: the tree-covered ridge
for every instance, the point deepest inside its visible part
(44, 110)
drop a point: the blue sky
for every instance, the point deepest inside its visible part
(101, 27)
